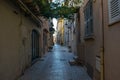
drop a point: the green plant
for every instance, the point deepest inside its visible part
(55, 10)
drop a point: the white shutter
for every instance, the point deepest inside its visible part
(114, 11)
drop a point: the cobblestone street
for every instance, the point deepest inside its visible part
(55, 66)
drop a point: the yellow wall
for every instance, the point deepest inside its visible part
(61, 29)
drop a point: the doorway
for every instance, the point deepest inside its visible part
(35, 44)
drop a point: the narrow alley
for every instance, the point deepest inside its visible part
(59, 39)
(55, 66)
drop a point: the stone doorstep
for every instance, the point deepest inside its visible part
(76, 61)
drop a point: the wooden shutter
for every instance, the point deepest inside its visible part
(114, 10)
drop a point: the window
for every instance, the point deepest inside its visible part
(88, 12)
(114, 11)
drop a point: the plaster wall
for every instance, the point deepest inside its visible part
(112, 46)
(15, 41)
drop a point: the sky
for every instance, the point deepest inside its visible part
(55, 25)
(55, 20)
(57, 0)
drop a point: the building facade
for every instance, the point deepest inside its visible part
(111, 23)
(21, 41)
(60, 31)
(99, 41)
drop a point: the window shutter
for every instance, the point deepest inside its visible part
(88, 19)
(114, 10)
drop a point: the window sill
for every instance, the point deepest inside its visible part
(112, 23)
(90, 37)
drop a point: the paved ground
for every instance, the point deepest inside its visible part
(55, 66)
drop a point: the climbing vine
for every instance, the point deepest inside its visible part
(57, 9)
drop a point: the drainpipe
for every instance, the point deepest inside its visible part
(102, 49)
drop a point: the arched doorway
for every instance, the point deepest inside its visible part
(35, 44)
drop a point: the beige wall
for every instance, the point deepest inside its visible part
(88, 44)
(97, 12)
(15, 41)
(45, 26)
(92, 46)
(112, 47)
(112, 50)
(81, 28)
